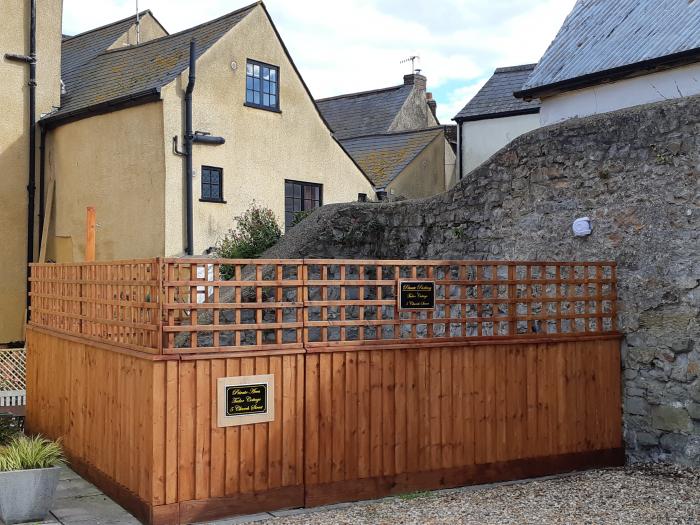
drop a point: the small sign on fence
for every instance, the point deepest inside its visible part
(245, 400)
(416, 295)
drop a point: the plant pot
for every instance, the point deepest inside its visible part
(27, 495)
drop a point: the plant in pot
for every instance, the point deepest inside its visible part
(29, 469)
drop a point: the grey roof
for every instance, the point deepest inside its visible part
(495, 98)
(384, 156)
(364, 113)
(129, 71)
(79, 49)
(602, 35)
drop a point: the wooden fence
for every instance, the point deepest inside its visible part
(513, 373)
(186, 306)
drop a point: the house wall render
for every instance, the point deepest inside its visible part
(483, 138)
(417, 179)
(655, 87)
(114, 162)
(14, 142)
(635, 173)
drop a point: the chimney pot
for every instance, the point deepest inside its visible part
(415, 80)
(432, 104)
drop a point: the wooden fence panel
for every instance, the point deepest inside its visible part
(351, 303)
(219, 305)
(242, 468)
(115, 302)
(101, 404)
(456, 415)
(515, 373)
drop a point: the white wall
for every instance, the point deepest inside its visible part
(482, 138)
(673, 83)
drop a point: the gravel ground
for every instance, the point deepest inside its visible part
(643, 494)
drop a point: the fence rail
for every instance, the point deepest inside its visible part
(196, 306)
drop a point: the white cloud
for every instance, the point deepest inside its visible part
(355, 45)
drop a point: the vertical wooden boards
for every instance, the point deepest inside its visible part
(348, 423)
(245, 459)
(105, 406)
(408, 414)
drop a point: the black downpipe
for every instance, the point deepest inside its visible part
(31, 186)
(460, 138)
(189, 137)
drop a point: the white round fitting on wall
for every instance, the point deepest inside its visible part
(582, 227)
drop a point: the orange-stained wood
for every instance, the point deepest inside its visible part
(508, 377)
(450, 408)
(90, 227)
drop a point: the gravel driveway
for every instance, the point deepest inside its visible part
(647, 494)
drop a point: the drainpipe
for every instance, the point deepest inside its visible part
(189, 136)
(460, 174)
(31, 184)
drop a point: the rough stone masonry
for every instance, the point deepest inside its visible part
(635, 173)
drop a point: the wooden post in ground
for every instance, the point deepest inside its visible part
(47, 219)
(90, 235)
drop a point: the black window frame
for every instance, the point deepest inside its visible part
(276, 107)
(303, 184)
(202, 198)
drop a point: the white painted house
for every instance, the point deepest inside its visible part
(613, 54)
(494, 117)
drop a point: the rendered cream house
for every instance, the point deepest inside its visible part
(117, 141)
(494, 117)
(614, 54)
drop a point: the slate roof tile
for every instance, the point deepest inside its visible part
(496, 98)
(77, 50)
(363, 113)
(600, 35)
(384, 156)
(132, 70)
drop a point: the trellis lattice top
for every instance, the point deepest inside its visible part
(196, 306)
(348, 302)
(221, 305)
(115, 302)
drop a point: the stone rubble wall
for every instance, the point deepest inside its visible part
(635, 173)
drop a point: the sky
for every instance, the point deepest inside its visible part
(357, 45)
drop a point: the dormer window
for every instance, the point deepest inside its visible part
(262, 85)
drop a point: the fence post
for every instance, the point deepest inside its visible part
(160, 298)
(512, 290)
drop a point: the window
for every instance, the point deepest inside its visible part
(212, 184)
(300, 196)
(262, 85)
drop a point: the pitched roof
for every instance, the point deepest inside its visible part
(364, 113)
(384, 156)
(495, 98)
(616, 36)
(79, 49)
(131, 71)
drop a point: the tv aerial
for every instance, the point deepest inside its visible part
(412, 59)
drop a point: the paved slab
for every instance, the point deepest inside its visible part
(79, 502)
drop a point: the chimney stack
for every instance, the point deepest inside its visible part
(432, 104)
(415, 79)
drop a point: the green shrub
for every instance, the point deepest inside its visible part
(255, 231)
(23, 453)
(300, 216)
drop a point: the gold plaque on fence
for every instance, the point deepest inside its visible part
(416, 295)
(245, 400)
